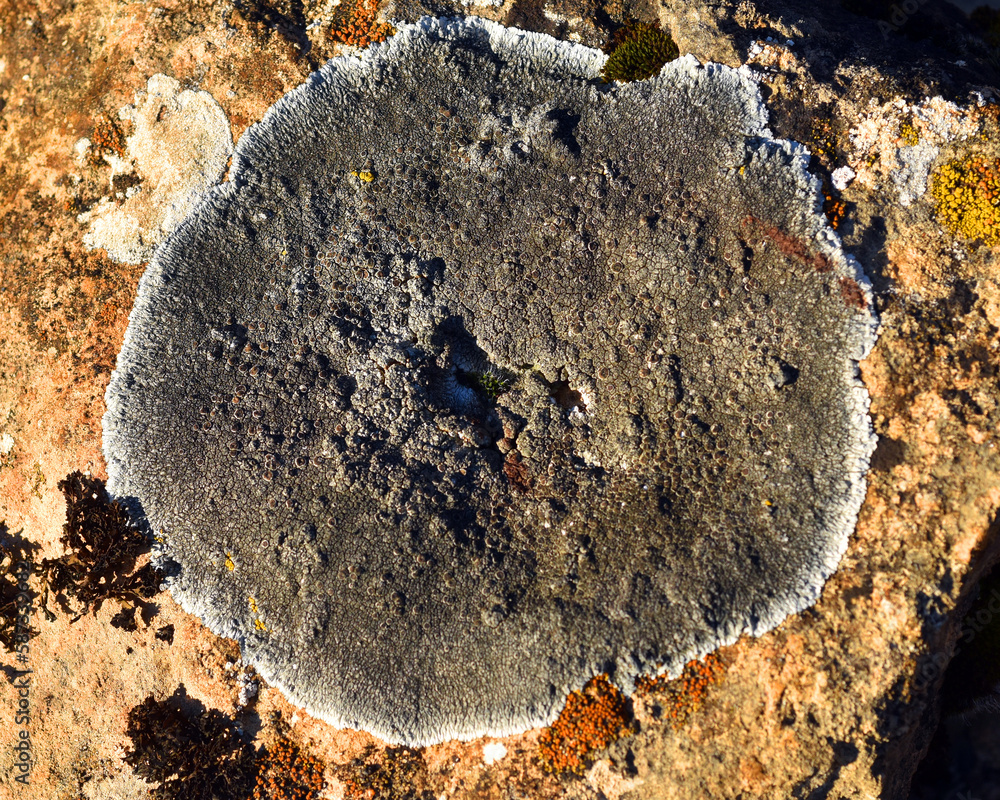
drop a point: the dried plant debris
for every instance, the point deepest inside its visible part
(104, 546)
(16, 568)
(194, 753)
(165, 634)
(674, 452)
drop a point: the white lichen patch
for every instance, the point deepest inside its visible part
(179, 145)
(904, 139)
(493, 752)
(842, 178)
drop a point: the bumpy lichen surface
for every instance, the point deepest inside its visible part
(967, 193)
(679, 453)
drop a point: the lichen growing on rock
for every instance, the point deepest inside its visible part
(676, 699)
(967, 193)
(284, 772)
(678, 458)
(396, 773)
(178, 144)
(592, 719)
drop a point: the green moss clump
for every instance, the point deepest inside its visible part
(491, 384)
(637, 51)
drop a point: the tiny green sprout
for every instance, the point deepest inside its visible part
(637, 51)
(491, 384)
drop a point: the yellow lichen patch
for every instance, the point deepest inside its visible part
(230, 564)
(967, 194)
(365, 176)
(358, 25)
(593, 718)
(679, 697)
(909, 134)
(257, 622)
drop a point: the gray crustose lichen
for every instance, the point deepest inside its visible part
(478, 377)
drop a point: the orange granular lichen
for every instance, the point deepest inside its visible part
(679, 697)
(823, 139)
(286, 773)
(108, 137)
(967, 194)
(834, 208)
(593, 718)
(358, 25)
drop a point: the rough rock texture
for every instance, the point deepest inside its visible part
(840, 701)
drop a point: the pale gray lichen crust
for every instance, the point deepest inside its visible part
(479, 377)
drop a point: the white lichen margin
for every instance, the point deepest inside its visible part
(178, 147)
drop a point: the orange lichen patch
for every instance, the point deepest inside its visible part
(988, 116)
(834, 208)
(593, 718)
(681, 696)
(967, 193)
(286, 773)
(358, 25)
(108, 137)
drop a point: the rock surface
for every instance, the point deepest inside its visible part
(839, 701)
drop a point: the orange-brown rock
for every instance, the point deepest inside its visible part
(839, 701)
